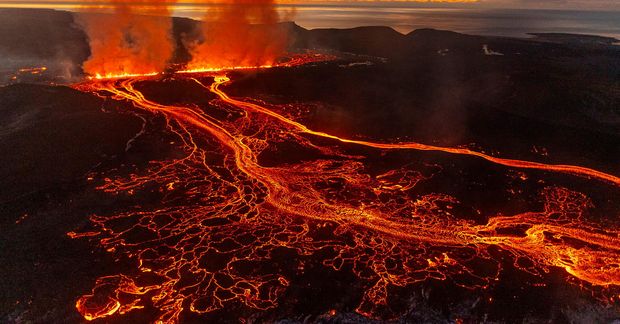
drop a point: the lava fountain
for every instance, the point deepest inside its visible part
(239, 33)
(133, 39)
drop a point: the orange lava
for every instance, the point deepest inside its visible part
(130, 39)
(134, 39)
(239, 33)
(34, 70)
(289, 61)
(571, 169)
(223, 218)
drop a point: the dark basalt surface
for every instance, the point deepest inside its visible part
(50, 139)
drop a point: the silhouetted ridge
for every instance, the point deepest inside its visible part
(371, 40)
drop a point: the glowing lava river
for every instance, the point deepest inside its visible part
(235, 226)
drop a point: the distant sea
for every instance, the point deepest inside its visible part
(498, 22)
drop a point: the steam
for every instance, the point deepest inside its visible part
(239, 33)
(134, 39)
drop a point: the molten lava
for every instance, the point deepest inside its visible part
(239, 33)
(135, 39)
(224, 217)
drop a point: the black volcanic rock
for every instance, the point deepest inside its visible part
(442, 41)
(53, 135)
(50, 138)
(42, 34)
(373, 40)
(428, 35)
(34, 38)
(575, 39)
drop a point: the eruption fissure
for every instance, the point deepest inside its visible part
(136, 38)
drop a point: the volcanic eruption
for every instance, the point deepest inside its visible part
(239, 33)
(232, 203)
(134, 39)
(212, 240)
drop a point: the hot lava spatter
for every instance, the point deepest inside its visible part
(225, 219)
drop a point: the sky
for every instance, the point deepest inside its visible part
(596, 17)
(189, 5)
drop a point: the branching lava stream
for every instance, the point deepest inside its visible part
(230, 230)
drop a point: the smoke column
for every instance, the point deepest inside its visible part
(239, 33)
(134, 39)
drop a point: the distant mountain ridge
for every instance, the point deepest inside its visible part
(53, 37)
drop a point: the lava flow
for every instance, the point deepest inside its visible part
(228, 228)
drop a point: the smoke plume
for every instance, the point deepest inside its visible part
(239, 33)
(134, 39)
